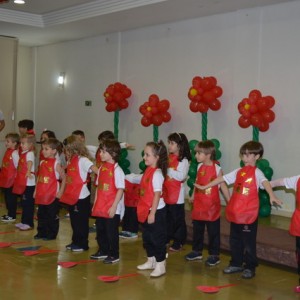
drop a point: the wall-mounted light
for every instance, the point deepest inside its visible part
(19, 1)
(61, 79)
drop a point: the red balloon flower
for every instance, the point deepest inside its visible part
(256, 111)
(116, 96)
(155, 111)
(204, 94)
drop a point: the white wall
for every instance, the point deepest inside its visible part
(249, 49)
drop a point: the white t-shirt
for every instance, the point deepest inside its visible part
(84, 165)
(180, 175)
(259, 175)
(30, 157)
(157, 183)
(119, 184)
(291, 182)
(15, 158)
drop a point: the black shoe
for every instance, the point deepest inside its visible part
(98, 255)
(69, 246)
(111, 260)
(248, 274)
(232, 269)
(76, 248)
(194, 255)
(38, 237)
(212, 260)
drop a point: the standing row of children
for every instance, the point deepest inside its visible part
(160, 208)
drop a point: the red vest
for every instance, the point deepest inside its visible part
(146, 195)
(74, 183)
(244, 202)
(131, 194)
(206, 206)
(21, 179)
(8, 171)
(106, 191)
(46, 184)
(295, 221)
(171, 186)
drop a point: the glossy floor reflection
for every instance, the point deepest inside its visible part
(39, 277)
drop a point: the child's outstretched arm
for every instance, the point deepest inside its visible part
(216, 181)
(273, 199)
(277, 182)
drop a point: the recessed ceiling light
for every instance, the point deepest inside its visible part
(19, 1)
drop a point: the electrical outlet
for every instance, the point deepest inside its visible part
(88, 103)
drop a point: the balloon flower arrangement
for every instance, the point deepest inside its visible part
(154, 112)
(116, 98)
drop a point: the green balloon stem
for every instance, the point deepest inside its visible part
(255, 133)
(155, 133)
(116, 125)
(204, 126)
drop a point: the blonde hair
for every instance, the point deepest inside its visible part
(30, 138)
(75, 147)
(14, 137)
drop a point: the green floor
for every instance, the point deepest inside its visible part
(39, 277)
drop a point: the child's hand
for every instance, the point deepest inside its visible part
(275, 201)
(200, 187)
(191, 200)
(112, 211)
(29, 175)
(151, 218)
(130, 147)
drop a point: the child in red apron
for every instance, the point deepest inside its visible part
(151, 208)
(179, 157)
(206, 205)
(76, 194)
(7, 175)
(242, 209)
(48, 190)
(24, 183)
(108, 207)
(293, 183)
(130, 224)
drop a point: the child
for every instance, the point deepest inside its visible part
(130, 224)
(179, 157)
(206, 205)
(48, 190)
(7, 175)
(46, 134)
(76, 193)
(25, 181)
(293, 183)
(151, 208)
(109, 202)
(242, 209)
(26, 126)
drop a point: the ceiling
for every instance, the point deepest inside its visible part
(41, 22)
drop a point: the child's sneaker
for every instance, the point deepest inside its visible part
(175, 248)
(98, 255)
(18, 225)
(128, 235)
(194, 255)
(25, 227)
(76, 248)
(8, 219)
(111, 260)
(122, 234)
(212, 260)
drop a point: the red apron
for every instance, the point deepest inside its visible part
(106, 191)
(295, 221)
(74, 183)
(46, 184)
(146, 195)
(206, 206)
(8, 171)
(244, 203)
(21, 179)
(98, 164)
(131, 194)
(171, 186)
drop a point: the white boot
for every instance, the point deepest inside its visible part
(160, 269)
(149, 264)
